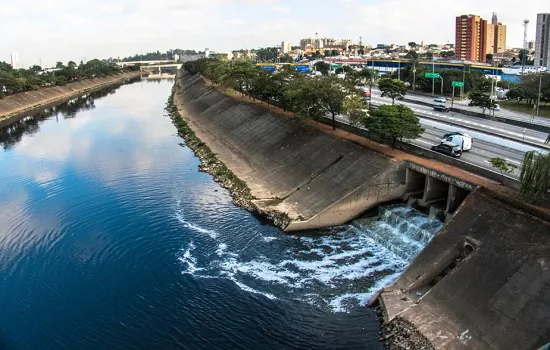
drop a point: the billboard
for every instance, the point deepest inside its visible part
(302, 68)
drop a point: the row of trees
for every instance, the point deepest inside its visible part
(528, 89)
(21, 80)
(312, 97)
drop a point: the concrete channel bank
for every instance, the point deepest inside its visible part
(482, 283)
(11, 107)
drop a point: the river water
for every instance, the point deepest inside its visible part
(110, 238)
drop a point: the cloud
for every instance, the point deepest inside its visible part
(71, 30)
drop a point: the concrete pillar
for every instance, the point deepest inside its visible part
(414, 180)
(455, 197)
(434, 189)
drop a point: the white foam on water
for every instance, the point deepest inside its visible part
(340, 271)
(189, 260)
(213, 234)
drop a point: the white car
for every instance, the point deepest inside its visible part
(458, 138)
(497, 107)
(440, 99)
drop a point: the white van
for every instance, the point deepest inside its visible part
(464, 141)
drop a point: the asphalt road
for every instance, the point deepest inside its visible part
(463, 104)
(484, 146)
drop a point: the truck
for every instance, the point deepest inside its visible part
(458, 138)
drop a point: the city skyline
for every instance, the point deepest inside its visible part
(82, 28)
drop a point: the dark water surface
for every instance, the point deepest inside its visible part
(111, 239)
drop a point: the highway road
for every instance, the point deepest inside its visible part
(467, 122)
(484, 148)
(463, 104)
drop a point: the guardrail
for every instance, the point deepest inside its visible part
(427, 153)
(514, 122)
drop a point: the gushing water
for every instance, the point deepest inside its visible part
(338, 270)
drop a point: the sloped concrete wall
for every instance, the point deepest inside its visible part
(17, 103)
(498, 294)
(304, 168)
(386, 186)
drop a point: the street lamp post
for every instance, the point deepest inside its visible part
(414, 75)
(538, 96)
(433, 77)
(441, 85)
(463, 79)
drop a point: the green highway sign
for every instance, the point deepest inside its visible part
(432, 75)
(457, 84)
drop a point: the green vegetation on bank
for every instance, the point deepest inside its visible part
(312, 97)
(209, 162)
(20, 80)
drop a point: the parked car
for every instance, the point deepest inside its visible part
(441, 108)
(440, 99)
(448, 148)
(464, 141)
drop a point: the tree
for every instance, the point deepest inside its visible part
(412, 44)
(479, 99)
(502, 165)
(522, 55)
(412, 55)
(394, 122)
(354, 109)
(59, 65)
(489, 57)
(429, 55)
(535, 175)
(322, 67)
(392, 88)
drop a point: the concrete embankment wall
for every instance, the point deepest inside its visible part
(484, 280)
(14, 105)
(288, 166)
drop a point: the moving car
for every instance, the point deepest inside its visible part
(460, 139)
(440, 99)
(448, 148)
(497, 107)
(441, 108)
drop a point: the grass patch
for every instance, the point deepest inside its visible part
(544, 110)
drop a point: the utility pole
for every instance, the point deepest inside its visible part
(524, 58)
(538, 96)
(433, 76)
(414, 75)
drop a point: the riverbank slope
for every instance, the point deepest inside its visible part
(313, 178)
(14, 105)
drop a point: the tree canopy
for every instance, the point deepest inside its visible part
(21, 80)
(480, 99)
(394, 122)
(535, 175)
(392, 88)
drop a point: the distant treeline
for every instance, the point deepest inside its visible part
(20, 80)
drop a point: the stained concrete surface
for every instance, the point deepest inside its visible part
(497, 297)
(304, 168)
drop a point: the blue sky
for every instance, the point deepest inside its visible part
(73, 29)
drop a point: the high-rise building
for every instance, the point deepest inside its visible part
(15, 64)
(476, 37)
(500, 35)
(468, 37)
(542, 41)
(286, 47)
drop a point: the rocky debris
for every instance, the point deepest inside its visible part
(210, 164)
(400, 335)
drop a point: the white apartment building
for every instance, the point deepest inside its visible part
(15, 63)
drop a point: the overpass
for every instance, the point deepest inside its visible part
(145, 63)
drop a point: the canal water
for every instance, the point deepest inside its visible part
(110, 238)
